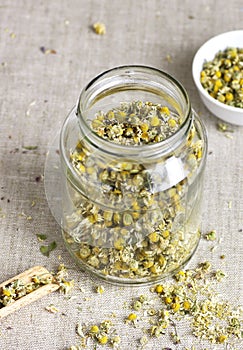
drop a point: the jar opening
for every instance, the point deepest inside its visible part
(132, 89)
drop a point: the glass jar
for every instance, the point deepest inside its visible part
(132, 154)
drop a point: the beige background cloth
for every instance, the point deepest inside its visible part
(37, 90)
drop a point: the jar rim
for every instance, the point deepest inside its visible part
(96, 140)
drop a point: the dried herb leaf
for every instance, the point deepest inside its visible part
(41, 237)
(46, 249)
(30, 148)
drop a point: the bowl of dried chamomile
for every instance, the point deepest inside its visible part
(217, 70)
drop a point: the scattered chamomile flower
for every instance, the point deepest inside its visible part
(102, 333)
(132, 317)
(99, 28)
(219, 275)
(211, 235)
(144, 340)
(100, 289)
(191, 296)
(52, 308)
(75, 347)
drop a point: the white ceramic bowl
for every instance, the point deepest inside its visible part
(206, 52)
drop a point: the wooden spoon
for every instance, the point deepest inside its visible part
(26, 277)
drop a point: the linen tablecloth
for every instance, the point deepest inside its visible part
(48, 53)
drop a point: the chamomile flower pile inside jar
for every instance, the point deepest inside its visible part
(133, 154)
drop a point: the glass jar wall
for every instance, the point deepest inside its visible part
(133, 154)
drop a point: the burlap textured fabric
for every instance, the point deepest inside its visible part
(48, 52)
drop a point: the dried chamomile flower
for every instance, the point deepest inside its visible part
(99, 28)
(66, 286)
(60, 278)
(115, 341)
(144, 340)
(136, 123)
(137, 305)
(191, 297)
(223, 127)
(175, 338)
(219, 275)
(100, 289)
(18, 288)
(131, 317)
(52, 308)
(75, 347)
(102, 334)
(145, 240)
(79, 330)
(94, 329)
(159, 288)
(211, 235)
(222, 77)
(102, 339)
